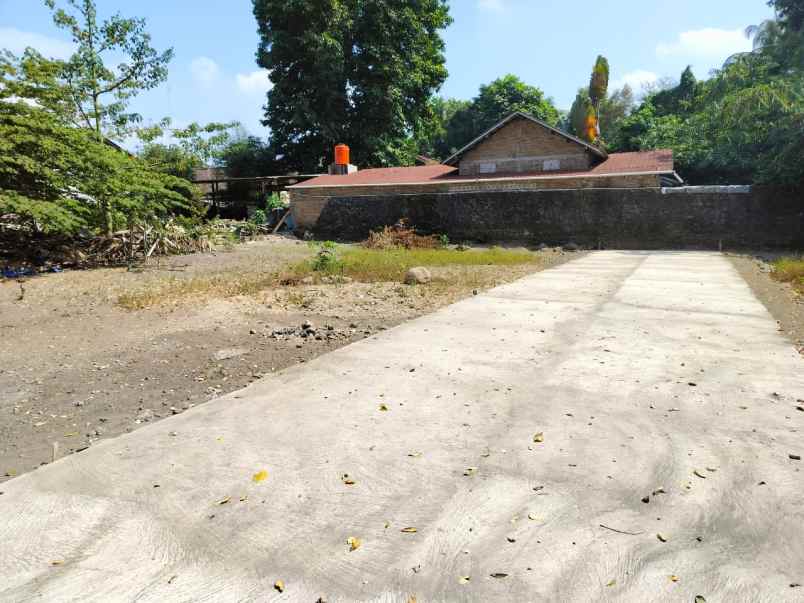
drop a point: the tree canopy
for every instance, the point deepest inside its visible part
(57, 178)
(89, 77)
(458, 122)
(353, 71)
(743, 125)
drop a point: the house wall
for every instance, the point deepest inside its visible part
(523, 146)
(644, 218)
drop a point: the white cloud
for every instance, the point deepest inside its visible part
(636, 79)
(254, 82)
(491, 4)
(709, 43)
(205, 71)
(17, 41)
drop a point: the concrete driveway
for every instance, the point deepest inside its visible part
(615, 429)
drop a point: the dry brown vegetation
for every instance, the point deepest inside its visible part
(790, 270)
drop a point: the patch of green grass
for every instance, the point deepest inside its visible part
(790, 270)
(389, 265)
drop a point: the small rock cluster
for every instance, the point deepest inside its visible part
(307, 330)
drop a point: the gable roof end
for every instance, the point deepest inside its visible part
(454, 159)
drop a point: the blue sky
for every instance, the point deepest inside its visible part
(548, 43)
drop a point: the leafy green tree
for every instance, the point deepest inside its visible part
(462, 121)
(743, 125)
(599, 88)
(353, 71)
(192, 147)
(56, 176)
(613, 110)
(53, 177)
(250, 156)
(99, 93)
(506, 95)
(582, 119)
(791, 12)
(170, 159)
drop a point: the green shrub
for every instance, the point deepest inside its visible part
(274, 201)
(326, 259)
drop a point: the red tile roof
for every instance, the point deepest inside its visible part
(641, 162)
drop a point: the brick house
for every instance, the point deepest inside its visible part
(520, 153)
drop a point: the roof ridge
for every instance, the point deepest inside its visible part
(589, 147)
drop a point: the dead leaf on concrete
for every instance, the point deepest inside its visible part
(470, 471)
(700, 599)
(383, 407)
(464, 579)
(224, 501)
(539, 437)
(499, 575)
(699, 474)
(260, 476)
(674, 578)
(348, 480)
(611, 583)
(280, 586)
(661, 537)
(354, 543)
(409, 530)
(533, 517)
(56, 563)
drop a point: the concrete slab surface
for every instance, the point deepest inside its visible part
(649, 375)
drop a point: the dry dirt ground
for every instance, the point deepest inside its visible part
(76, 367)
(779, 298)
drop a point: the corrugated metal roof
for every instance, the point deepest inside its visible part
(641, 162)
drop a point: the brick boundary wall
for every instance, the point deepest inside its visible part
(646, 218)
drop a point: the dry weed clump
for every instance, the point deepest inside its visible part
(400, 235)
(790, 270)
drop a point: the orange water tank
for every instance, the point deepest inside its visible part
(341, 154)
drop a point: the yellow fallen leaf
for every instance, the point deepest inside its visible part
(538, 438)
(533, 517)
(354, 543)
(279, 585)
(673, 578)
(224, 500)
(260, 476)
(409, 530)
(611, 583)
(464, 579)
(56, 563)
